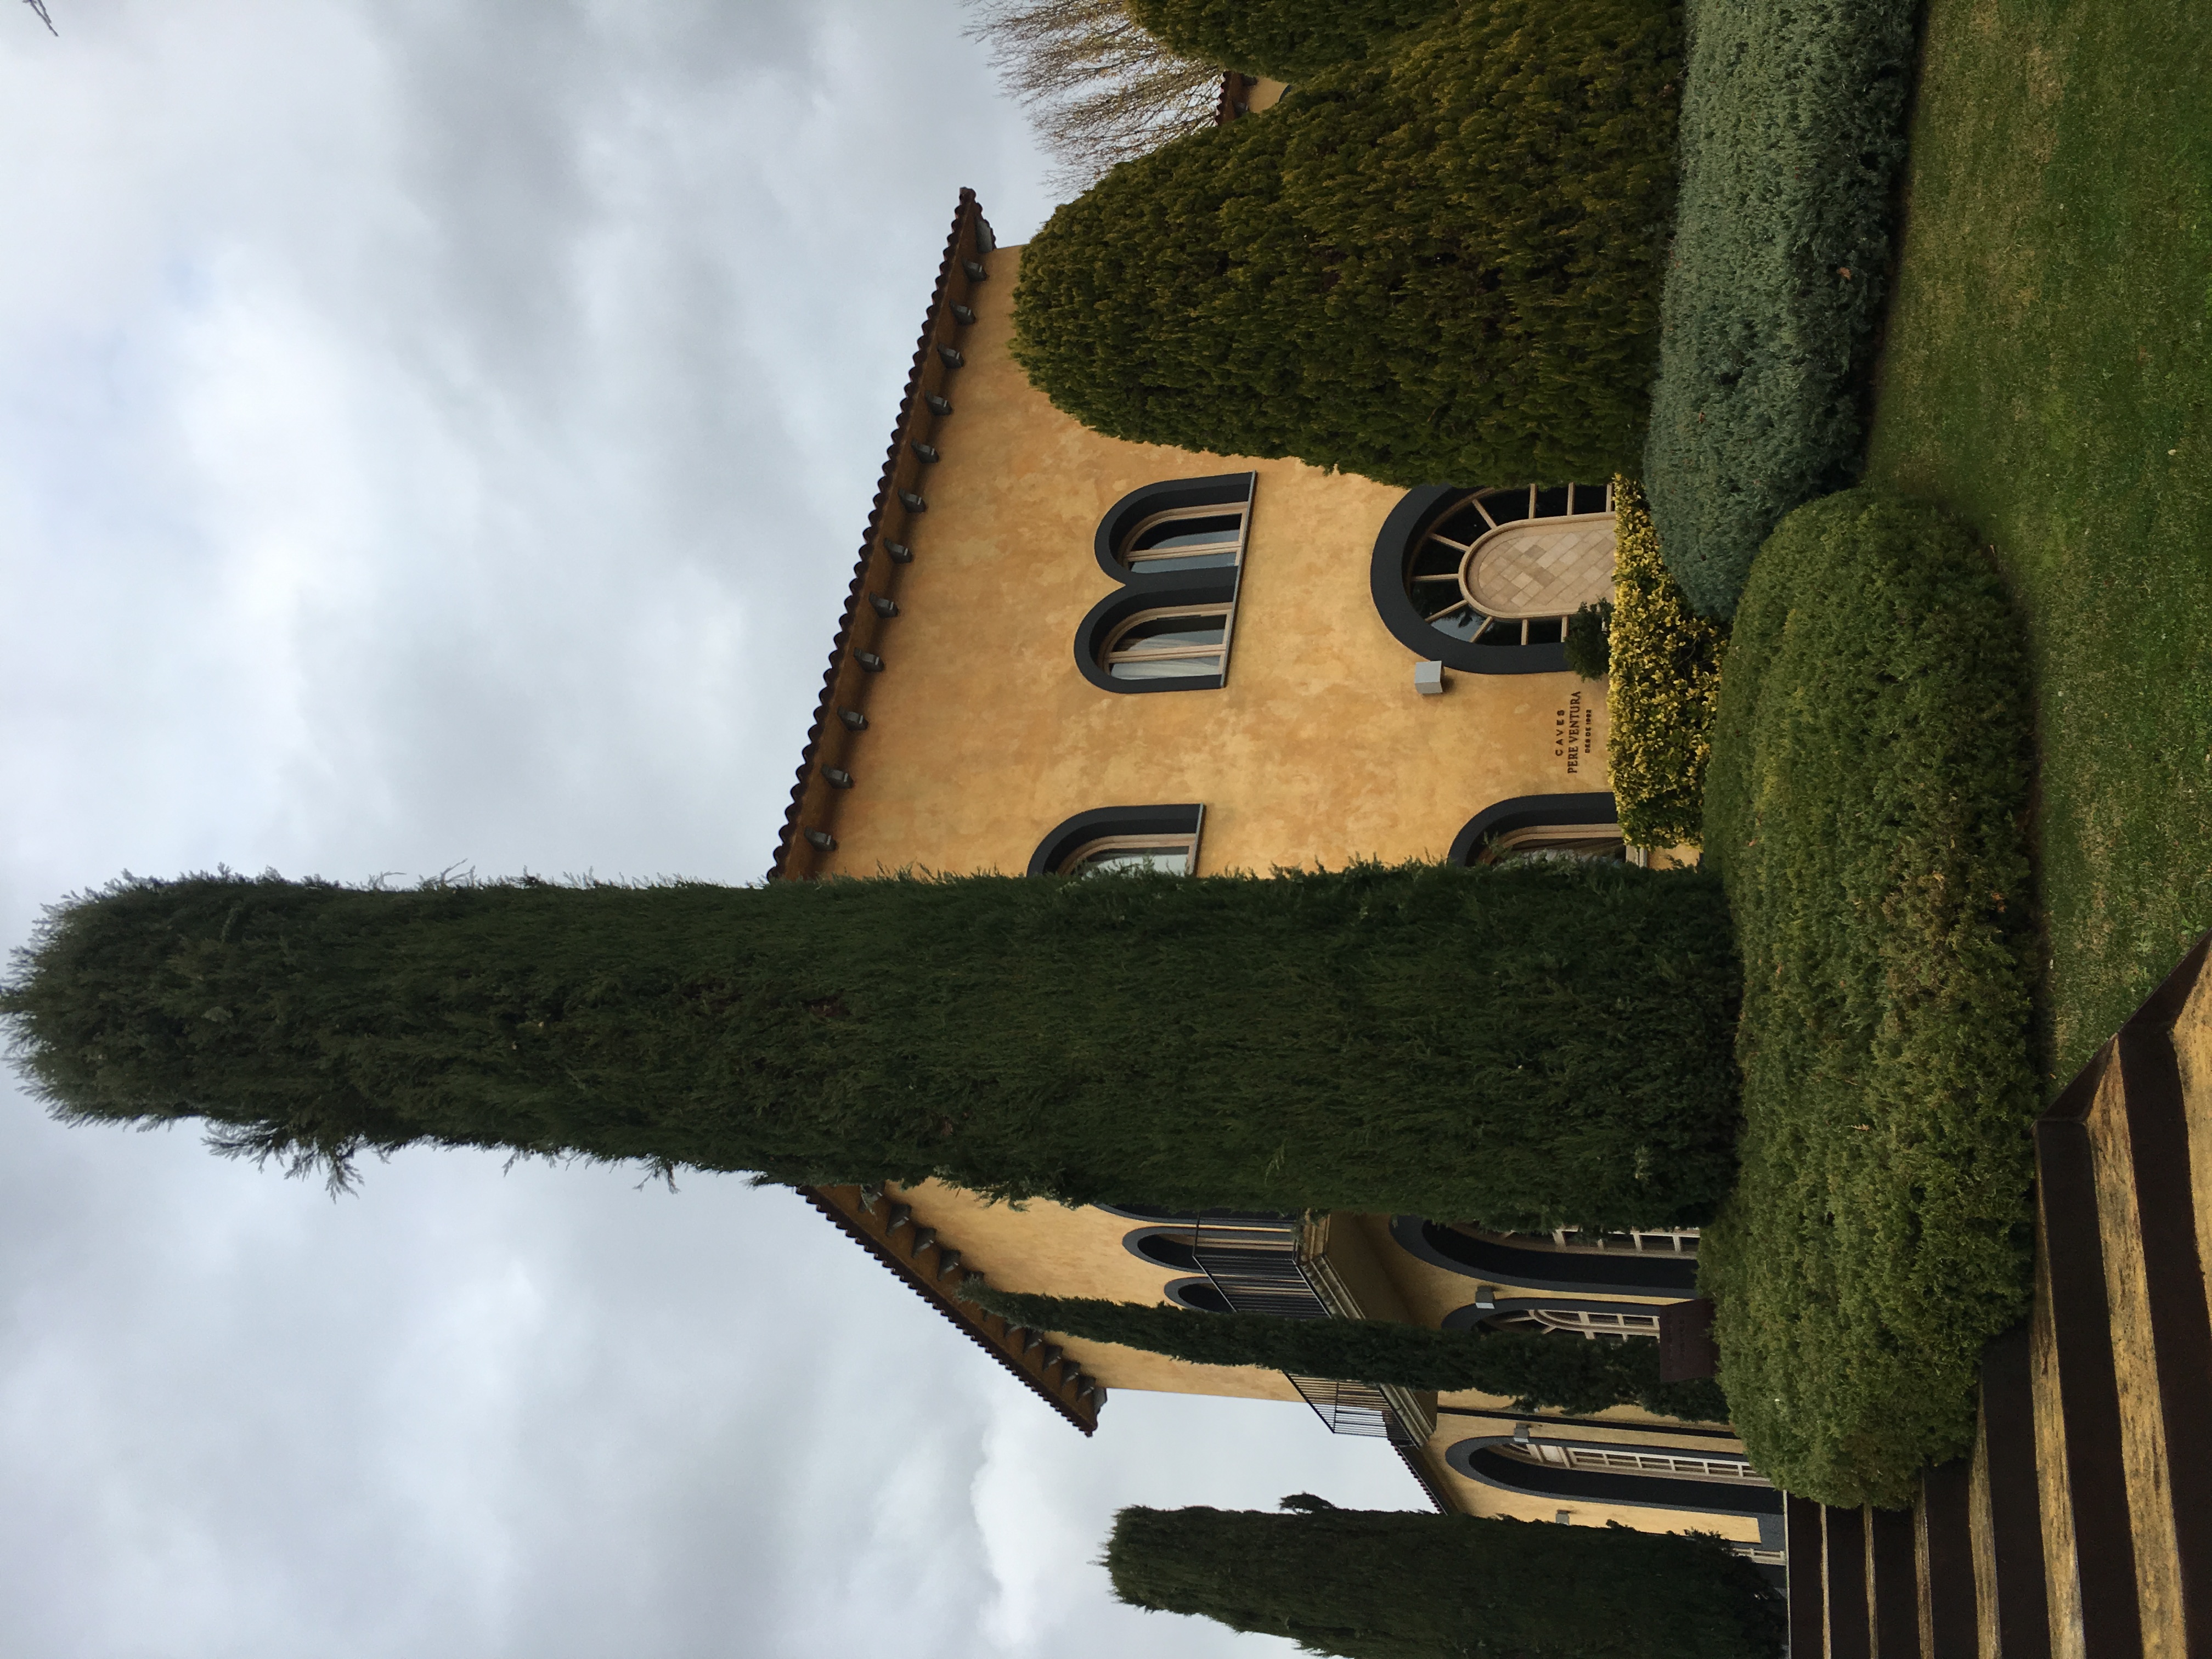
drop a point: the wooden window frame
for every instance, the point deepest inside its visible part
(1112, 652)
(1137, 560)
(1073, 863)
(1518, 626)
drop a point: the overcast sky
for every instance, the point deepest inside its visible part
(434, 437)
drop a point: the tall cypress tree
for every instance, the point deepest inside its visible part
(1396, 1584)
(1525, 1048)
(1288, 39)
(1441, 263)
(1565, 1372)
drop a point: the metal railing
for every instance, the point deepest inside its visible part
(1272, 1265)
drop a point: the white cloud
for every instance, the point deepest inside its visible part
(436, 432)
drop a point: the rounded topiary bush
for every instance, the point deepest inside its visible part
(1865, 804)
(1442, 265)
(1288, 39)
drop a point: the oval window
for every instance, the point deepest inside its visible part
(1508, 567)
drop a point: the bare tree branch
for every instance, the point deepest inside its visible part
(1097, 88)
(40, 7)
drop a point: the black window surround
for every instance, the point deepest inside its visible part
(1529, 811)
(1135, 591)
(1163, 1247)
(1400, 537)
(1102, 822)
(1199, 1295)
(1597, 1273)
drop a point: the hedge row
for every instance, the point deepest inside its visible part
(1288, 39)
(1662, 689)
(1865, 805)
(1444, 264)
(1398, 1585)
(1564, 1372)
(1792, 133)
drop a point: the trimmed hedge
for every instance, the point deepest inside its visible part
(1288, 1043)
(1792, 133)
(1865, 805)
(1442, 265)
(1565, 1372)
(1663, 691)
(1286, 39)
(1399, 1584)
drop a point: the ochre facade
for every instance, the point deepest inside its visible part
(957, 732)
(1317, 751)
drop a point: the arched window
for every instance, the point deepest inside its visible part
(1170, 645)
(1174, 552)
(1662, 1477)
(1186, 539)
(1163, 838)
(1171, 855)
(1485, 580)
(1509, 1260)
(1634, 1460)
(1582, 826)
(1597, 1324)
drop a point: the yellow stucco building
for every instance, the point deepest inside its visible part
(1061, 651)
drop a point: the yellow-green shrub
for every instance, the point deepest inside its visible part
(1664, 686)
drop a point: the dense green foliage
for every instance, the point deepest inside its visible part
(1533, 1369)
(1590, 641)
(1288, 39)
(1792, 131)
(1398, 1585)
(1664, 686)
(1441, 264)
(2043, 373)
(1865, 803)
(1371, 1039)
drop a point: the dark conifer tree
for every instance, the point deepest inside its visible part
(1525, 1048)
(1288, 39)
(1440, 264)
(1534, 1370)
(1397, 1585)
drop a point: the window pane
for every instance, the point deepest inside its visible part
(1499, 632)
(1166, 668)
(1552, 503)
(1187, 532)
(1507, 504)
(1173, 633)
(1217, 558)
(1467, 526)
(1461, 625)
(1169, 860)
(1546, 630)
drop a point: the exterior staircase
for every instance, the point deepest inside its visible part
(2081, 1528)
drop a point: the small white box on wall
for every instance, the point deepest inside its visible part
(1429, 678)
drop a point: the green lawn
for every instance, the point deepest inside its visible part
(2046, 373)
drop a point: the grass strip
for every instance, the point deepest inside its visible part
(2045, 375)
(1864, 805)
